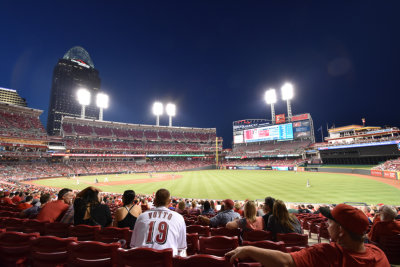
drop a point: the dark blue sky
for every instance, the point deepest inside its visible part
(214, 59)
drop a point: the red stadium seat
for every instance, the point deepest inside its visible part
(225, 231)
(200, 229)
(218, 245)
(192, 241)
(14, 248)
(293, 239)
(201, 260)
(267, 244)
(257, 235)
(33, 226)
(57, 229)
(145, 257)
(48, 251)
(84, 232)
(113, 234)
(92, 254)
(14, 224)
(391, 246)
(322, 231)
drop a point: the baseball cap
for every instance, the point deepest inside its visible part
(229, 203)
(6, 193)
(350, 218)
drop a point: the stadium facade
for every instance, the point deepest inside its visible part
(75, 70)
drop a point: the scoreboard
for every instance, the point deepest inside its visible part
(276, 132)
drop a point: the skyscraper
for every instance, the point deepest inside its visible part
(11, 96)
(75, 70)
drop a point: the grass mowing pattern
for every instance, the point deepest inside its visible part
(242, 184)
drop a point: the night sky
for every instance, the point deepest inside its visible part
(214, 59)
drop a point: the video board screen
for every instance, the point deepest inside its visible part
(275, 132)
(238, 138)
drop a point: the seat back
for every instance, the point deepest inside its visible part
(225, 231)
(113, 234)
(200, 229)
(145, 257)
(84, 232)
(257, 235)
(50, 250)
(192, 241)
(391, 246)
(34, 226)
(14, 247)
(92, 253)
(201, 260)
(218, 245)
(267, 244)
(57, 229)
(14, 224)
(293, 239)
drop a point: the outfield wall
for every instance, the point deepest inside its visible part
(377, 173)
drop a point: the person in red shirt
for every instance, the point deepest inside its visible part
(54, 211)
(6, 199)
(17, 198)
(347, 226)
(387, 225)
(25, 205)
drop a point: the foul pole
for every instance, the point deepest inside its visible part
(216, 151)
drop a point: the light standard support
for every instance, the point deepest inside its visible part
(171, 111)
(102, 103)
(157, 111)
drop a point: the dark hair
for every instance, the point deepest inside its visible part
(207, 205)
(269, 201)
(28, 198)
(162, 197)
(128, 197)
(44, 198)
(91, 197)
(63, 192)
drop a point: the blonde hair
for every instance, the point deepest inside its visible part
(181, 205)
(250, 210)
(194, 203)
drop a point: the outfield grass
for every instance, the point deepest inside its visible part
(242, 184)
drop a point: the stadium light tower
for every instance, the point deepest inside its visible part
(102, 103)
(287, 94)
(270, 98)
(157, 110)
(84, 100)
(171, 111)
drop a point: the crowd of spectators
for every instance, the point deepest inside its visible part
(256, 150)
(390, 165)
(263, 162)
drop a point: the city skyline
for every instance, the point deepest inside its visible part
(213, 60)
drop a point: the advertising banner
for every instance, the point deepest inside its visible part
(302, 134)
(301, 129)
(390, 175)
(300, 117)
(376, 173)
(300, 169)
(280, 118)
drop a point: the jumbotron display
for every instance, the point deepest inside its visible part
(269, 133)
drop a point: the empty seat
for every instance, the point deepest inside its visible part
(14, 247)
(200, 229)
(225, 231)
(257, 235)
(391, 246)
(84, 232)
(145, 257)
(201, 260)
(192, 241)
(57, 229)
(267, 244)
(50, 250)
(14, 224)
(293, 239)
(92, 253)
(34, 226)
(113, 234)
(218, 245)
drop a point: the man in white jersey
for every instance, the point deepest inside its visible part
(160, 228)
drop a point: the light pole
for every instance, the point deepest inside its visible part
(83, 99)
(102, 103)
(157, 110)
(287, 94)
(270, 98)
(171, 111)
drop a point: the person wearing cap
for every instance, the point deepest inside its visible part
(347, 226)
(387, 226)
(6, 199)
(222, 218)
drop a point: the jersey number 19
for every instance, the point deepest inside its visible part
(161, 237)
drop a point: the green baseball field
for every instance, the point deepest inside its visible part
(242, 184)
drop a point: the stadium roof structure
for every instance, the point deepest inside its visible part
(20, 109)
(80, 54)
(91, 122)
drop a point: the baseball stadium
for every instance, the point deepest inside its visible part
(357, 166)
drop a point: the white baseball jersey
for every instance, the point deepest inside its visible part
(160, 228)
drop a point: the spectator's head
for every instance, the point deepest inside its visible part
(250, 210)
(282, 215)
(163, 198)
(228, 204)
(387, 213)
(28, 199)
(207, 205)
(128, 197)
(44, 198)
(269, 204)
(181, 205)
(63, 192)
(194, 204)
(237, 205)
(346, 223)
